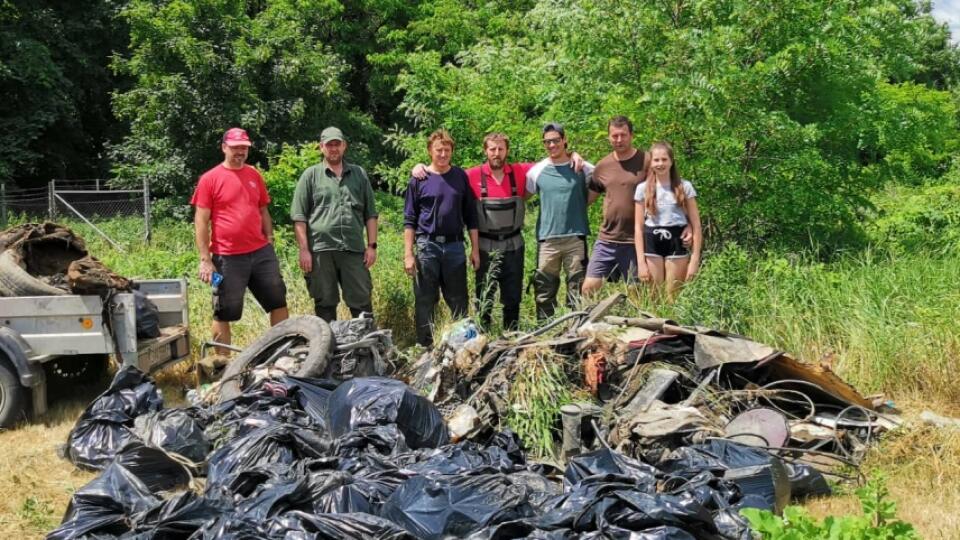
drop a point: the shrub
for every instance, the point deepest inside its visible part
(281, 178)
(918, 219)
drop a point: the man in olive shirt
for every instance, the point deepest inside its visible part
(332, 205)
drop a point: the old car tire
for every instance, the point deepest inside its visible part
(12, 395)
(15, 281)
(314, 330)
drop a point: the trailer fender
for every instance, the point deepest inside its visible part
(16, 349)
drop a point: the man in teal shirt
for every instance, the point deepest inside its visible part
(332, 206)
(562, 226)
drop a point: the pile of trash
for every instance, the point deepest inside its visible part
(687, 427)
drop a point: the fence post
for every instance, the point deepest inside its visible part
(3, 204)
(51, 202)
(146, 207)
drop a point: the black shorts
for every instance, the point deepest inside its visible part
(260, 271)
(664, 242)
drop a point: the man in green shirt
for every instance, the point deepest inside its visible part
(332, 205)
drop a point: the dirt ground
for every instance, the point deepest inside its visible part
(922, 466)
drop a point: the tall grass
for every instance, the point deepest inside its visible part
(885, 321)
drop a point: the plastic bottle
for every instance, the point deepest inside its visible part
(463, 331)
(215, 279)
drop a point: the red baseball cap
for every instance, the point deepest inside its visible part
(236, 137)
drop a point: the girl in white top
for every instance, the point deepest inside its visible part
(665, 205)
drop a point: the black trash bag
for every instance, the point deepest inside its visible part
(523, 529)
(148, 316)
(511, 444)
(349, 526)
(104, 426)
(178, 517)
(373, 480)
(370, 464)
(602, 501)
(273, 499)
(154, 467)
(312, 395)
(655, 533)
(607, 461)
(377, 401)
(335, 491)
(441, 506)
(244, 483)
(176, 430)
(731, 525)
(762, 478)
(541, 490)
(805, 481)
(385, 440)
(465, 458)
(708, 490)
(240, 422)
(104, 505)
(279, 443)
(233, 526)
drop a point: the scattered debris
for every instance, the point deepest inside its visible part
(934, 419)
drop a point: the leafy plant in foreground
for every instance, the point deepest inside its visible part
(878, 521)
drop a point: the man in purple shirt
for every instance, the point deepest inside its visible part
(435, 212)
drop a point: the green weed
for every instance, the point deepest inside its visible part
(540, 388)
(38, 514)
(878, 521)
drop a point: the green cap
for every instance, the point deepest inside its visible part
(331, 134)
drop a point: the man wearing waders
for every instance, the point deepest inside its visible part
(500, 189)
(562, 226)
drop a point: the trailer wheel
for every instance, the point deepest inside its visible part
(12, 395)
(312, 331)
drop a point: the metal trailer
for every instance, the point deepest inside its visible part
(72, 334)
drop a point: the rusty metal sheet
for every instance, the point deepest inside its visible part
(711, 351)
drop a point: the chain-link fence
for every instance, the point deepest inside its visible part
(89, 201)
(16, 202)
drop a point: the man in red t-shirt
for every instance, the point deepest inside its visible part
(234, 236)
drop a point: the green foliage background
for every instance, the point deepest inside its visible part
(791, 118)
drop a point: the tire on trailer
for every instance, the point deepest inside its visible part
(12, 395)
(314, 330)
(15, 281)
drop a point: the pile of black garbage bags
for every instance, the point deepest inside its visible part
(369, 458)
